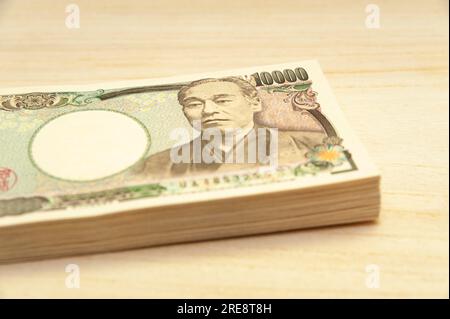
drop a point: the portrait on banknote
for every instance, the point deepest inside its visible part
(215, 107)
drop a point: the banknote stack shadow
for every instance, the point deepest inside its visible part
(125, 165)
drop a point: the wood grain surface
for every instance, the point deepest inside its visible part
(391, 82)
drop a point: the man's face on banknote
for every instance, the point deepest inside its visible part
(219, 105)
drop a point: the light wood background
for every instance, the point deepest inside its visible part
(391, 82)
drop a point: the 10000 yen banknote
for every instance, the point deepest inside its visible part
(121, 143)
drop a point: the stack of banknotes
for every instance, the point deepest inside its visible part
(114, 166)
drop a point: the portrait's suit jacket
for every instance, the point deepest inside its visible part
(292, 148)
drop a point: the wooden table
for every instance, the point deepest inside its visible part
(391, 82)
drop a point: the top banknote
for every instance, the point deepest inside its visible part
(113, 146)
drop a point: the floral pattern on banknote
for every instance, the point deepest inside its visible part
(145, 101)
(300, 95)
(9, 121)
(35, 101)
